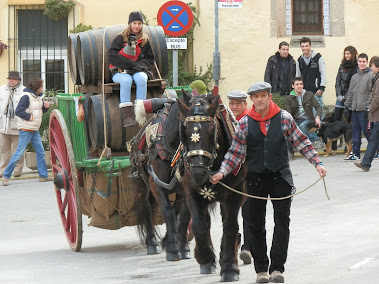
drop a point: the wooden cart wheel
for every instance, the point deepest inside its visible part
(65, 180)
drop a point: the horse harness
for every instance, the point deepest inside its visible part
(198, 117)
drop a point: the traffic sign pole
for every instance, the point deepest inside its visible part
(216, 54)
(175, 68)
(176, 19)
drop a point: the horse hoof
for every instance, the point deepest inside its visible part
(209, 268)
(185, 254)
(153, 250)
(172, 256)
(229, 277)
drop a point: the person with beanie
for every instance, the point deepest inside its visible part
(199, 86)
(126, 68)
(261, 138)
(10, 95)
(29, 117)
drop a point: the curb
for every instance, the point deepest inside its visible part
(322, 153)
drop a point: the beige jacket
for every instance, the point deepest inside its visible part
(35, 109)
(9, 125)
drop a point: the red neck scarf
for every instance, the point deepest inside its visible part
(272, 111)
(242, 114)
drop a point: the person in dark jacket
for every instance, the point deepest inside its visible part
(311, 68)
(346, 70)
(280, 70)
(127, 68)
(301, 105)
(261, 138)
(373, 142)
(358, 100)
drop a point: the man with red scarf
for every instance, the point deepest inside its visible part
(261, 138)
(238, 104)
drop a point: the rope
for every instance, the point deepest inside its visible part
(275, 198)
(106, 148)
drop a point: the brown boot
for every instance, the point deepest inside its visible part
(128, 115)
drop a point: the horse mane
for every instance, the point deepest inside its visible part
(171, 127)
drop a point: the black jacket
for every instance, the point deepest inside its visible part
(143, 63)
(272, 75)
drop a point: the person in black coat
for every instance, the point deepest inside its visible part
(131, 59)
(280, 70)
(347, 69)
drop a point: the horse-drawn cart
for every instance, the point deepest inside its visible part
(90, 162)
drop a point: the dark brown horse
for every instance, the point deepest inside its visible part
(154, 180)
(205, 143)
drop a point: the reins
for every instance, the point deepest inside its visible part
(275, 198)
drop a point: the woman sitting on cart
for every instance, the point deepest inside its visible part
(131, 57)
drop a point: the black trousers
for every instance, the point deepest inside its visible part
(265, 185)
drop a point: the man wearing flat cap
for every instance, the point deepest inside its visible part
(10, 95)
(238, 106)
(261, 138)
(237, 103)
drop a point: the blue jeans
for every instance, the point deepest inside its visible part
(303, 127)
(126, 80)
(359, 123)
(320, 101)
(24, 138)
(372, 147)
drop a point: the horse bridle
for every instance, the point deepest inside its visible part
(199, 118)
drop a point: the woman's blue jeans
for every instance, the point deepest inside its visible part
(24, 138)
(126, 80)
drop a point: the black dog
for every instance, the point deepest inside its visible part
(332, 132)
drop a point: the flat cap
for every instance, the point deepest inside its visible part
(237, 95)
(259, 87)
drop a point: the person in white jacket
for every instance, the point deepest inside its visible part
(10, 95)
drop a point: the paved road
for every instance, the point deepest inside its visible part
(332, 241)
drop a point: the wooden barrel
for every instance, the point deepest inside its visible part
(90, 49)
(72, 53)
(117, 135)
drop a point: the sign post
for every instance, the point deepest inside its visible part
(176, 19)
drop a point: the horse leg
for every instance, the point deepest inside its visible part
(229, 241)
(172, 251)
(145, 227)
(204, 253)
(184, 217)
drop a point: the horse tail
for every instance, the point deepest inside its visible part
(144, 207)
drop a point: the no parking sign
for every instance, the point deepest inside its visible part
(175, 17)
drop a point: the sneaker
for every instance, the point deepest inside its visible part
(5, 181)
(376, 156)
(41, 179)
(352, 157)
(17, 174)
(262, 277)
(276, 277)
(245, 256)
(359, 165)
(318, 144)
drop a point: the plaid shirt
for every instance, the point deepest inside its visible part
(237, 151)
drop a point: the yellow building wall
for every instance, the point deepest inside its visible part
(245, 41)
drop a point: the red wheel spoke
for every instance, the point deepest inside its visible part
(64, 203)
(63, 164)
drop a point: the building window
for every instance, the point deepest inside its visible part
(307, 17)
(41, 46)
